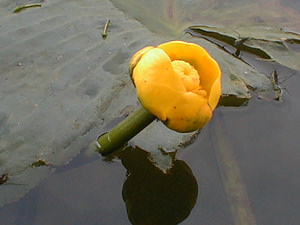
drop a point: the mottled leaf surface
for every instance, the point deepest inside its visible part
(60, 81)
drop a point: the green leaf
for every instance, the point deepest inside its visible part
(265, 42)
(60, 82)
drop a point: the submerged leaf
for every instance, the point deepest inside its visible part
(172, 16)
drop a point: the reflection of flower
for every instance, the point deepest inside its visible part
(154, 197)
(178, 82)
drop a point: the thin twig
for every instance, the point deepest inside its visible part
(104, 33)
(20, 8)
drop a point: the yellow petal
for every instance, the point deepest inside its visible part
(137, 57)
(189, 113)
(188, 75)
(156, 82)
(215, 93)
(208, 69)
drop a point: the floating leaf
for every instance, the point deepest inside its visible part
(60, 82)
(264, 42)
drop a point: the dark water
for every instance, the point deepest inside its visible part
(246, 158)
(264, 140)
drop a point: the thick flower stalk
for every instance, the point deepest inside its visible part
(177, 82)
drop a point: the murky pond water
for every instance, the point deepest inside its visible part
(264, 140)
(242, 169)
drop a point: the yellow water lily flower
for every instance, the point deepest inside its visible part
(178, 82)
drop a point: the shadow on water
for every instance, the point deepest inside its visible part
(153, 197)
(88, 191)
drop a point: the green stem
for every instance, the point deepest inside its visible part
(124, 131)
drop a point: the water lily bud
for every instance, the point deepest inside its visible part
(136, 58)
(178, 82)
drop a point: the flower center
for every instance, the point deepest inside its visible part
(189, 76)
